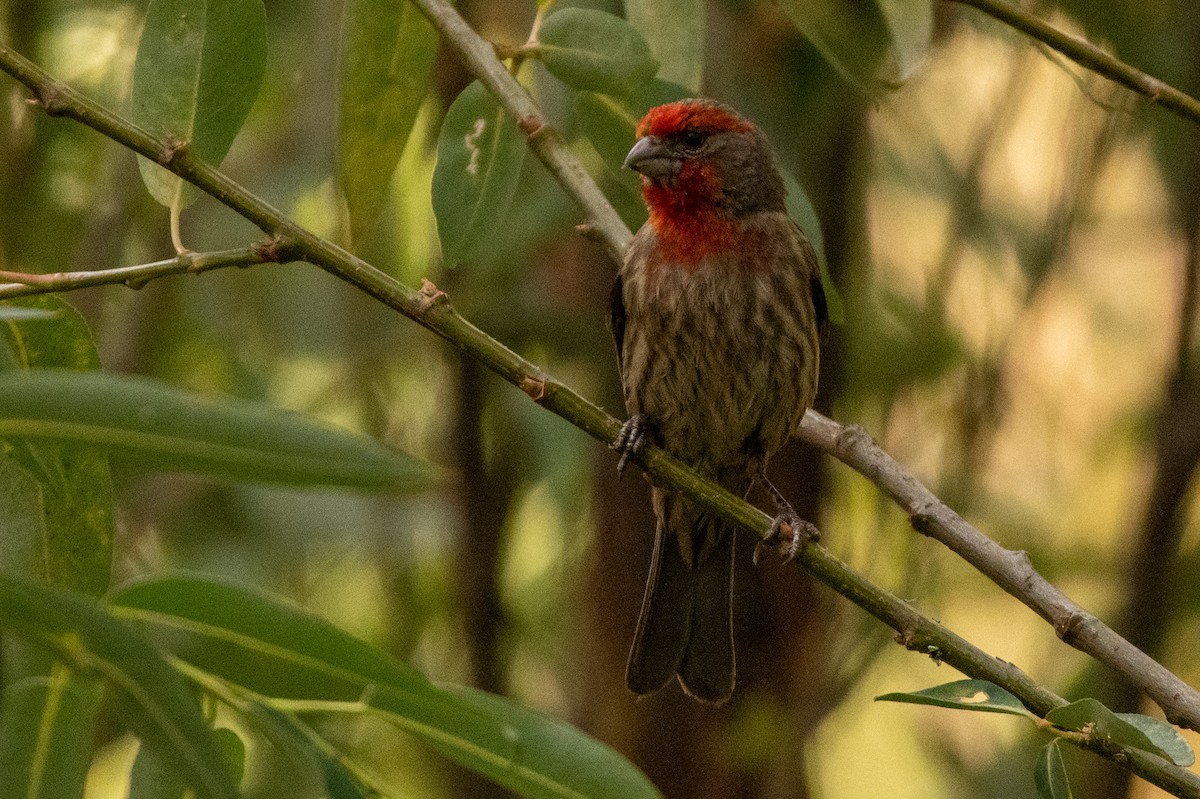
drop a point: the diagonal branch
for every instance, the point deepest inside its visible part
(1088, 55)
(431, 308)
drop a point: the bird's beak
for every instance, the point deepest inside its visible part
(652, 158)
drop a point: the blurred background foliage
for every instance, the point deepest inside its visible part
(1017, 245)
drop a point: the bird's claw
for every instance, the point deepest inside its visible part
(787, 534)
(631, 440)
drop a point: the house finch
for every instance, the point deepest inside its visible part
(717, 315)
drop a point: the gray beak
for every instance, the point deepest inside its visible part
(652, 158)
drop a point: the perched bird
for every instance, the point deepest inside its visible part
(717, 313)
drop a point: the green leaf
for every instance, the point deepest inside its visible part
(874, 44)
(74, 544)
(154, 425)
(1164, 736)
(545, 758)
(1092, 718)
(674, 30)
(388, 48)
(480, 152)
(1050, 775)
(152, 697)
(608, 121)
(979, 695)
(594, 51)
(800, 209)
(46, 736)
(279, 651)
(309, 758)
(153, 778)
(198, 70)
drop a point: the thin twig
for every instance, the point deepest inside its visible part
(190, 263)
(1088, 55)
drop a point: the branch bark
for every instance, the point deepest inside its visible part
(1088, 55)
(431, 308)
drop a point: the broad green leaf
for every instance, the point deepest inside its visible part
(594, 51)
(74, 545)
(480, 152)
(1050, 775)
(46, 736)
(279, 651)
(388, 47)
(853, 37)
(1164, 736)
(674, 30)
(1093, 718)
(979, 695)
(198, 70)
(154, 425)
(151, 696)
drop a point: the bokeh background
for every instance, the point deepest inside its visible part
(1016, 245)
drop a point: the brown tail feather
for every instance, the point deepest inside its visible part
(686, 625)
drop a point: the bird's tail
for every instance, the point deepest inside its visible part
(686, 626)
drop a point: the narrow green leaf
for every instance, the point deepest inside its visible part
(1091, 717)
(1050, 775)
(388, 48)
(234, 749)
(46, 736)
(199, 67)
(979, 695)
(74, 546)
(594, 51)
(480, 153)
(152, 697)
(257, 641)
(545, 758)
(313, 769)
(152, 778)
(853, 37)
(1164, 736)
(279, 651)
(674, 30)
(154, 425)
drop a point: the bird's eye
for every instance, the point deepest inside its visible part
(692, 138)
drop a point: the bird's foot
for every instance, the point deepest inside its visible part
(787, 534)
(631, 440)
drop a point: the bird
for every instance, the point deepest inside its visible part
(718, 313)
